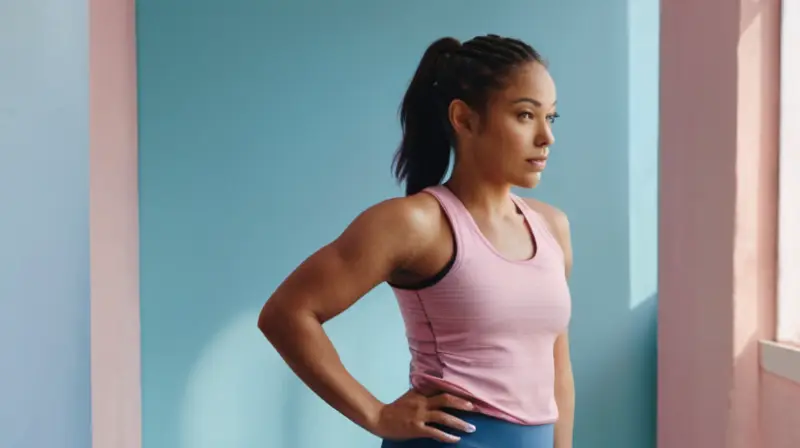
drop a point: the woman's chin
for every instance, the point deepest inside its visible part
(531, 180)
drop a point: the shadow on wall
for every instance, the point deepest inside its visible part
(616, 378)
(221, 388)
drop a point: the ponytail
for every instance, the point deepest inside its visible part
(423, 157)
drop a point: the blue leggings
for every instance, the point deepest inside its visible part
(490, 433)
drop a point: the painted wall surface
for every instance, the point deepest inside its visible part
(779, 411)
(717, 241)
(44, 225)
(265, 129)
(114, 225)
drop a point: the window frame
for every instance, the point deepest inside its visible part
(788, 306)
(782, 355)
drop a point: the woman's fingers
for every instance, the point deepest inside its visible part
(437, 434)
(449, 401)
(450, 421)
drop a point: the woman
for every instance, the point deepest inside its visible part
(480, 274)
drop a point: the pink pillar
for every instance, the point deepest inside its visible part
(718, 187)
(114, 227)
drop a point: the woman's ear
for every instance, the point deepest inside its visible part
(463, 119)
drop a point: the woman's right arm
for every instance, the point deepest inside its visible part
(381, 240)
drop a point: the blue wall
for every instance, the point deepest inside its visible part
(266, 128)
(44, 225)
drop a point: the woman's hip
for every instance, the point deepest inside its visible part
(490, 432)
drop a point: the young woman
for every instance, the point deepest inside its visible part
(480, 274)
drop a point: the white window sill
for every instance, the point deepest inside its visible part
(781, 359)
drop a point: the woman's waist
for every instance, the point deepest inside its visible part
(507, 353)
(521, 397)
(490, 432)
(489, 421)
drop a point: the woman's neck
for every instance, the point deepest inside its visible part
(479, 195)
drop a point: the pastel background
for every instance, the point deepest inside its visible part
(45, 386)
(178, 159)
(259, 142)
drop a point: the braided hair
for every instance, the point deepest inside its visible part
(449, 70)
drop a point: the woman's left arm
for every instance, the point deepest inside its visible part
(565, 383)
(564, 380)
(565, 393)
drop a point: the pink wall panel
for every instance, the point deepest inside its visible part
(718, 159)
(115, 347)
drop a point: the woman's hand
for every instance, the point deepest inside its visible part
(409, 417)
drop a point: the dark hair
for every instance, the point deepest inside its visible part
(449, 70)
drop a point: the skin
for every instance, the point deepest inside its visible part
(408, 239)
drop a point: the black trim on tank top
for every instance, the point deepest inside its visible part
(436, 278)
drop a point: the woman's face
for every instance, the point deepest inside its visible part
(513, 139)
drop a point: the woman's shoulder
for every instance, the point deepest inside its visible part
(556, 220)
(418, 216)
(559, 226)
(555, 217)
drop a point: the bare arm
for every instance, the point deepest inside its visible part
(565, 382)
(565, 393)
(384, 238)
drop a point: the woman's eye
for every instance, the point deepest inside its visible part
(526, 115)
(552, 118)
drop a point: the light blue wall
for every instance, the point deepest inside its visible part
(266, 128)
(643, 94)
(44, 225)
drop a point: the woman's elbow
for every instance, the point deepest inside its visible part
(270, 320)
(278, 321)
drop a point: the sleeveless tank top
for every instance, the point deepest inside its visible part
(485, 330)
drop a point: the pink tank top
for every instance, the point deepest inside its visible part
(486, 329)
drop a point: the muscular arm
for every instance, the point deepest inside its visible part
(564, 382)
(565, 393)
(384, 238)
